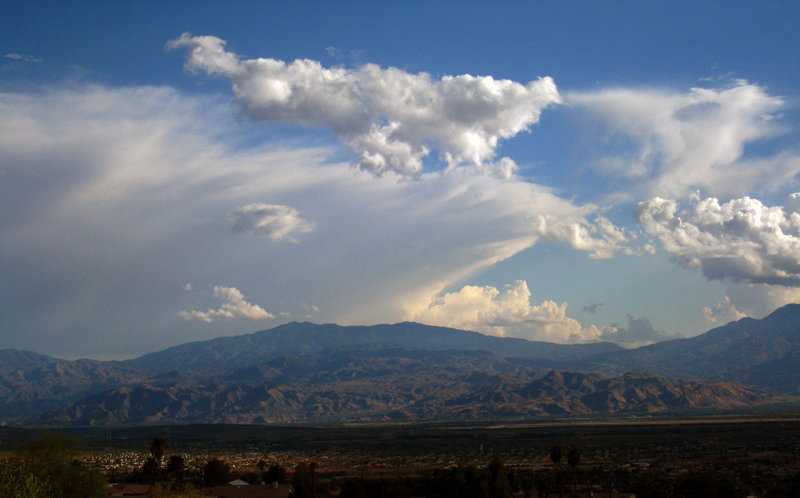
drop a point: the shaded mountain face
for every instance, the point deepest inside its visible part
(763, 353)
(405, 371)
(31, 382)
(394, 384)
(293, 339)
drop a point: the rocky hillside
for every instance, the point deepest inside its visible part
(406, 371)
(763, 353)
(31, 382)
(293, 339)
(394, 385)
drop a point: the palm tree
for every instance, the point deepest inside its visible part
(313, 468)
(150, 469)
(573, 460)
(556, 454)
(158, 447)
(176, 465)
(216, 471)
(498, 478)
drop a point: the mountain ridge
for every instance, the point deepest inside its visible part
(732, 352)
(727, 366)
(397, 386)
(296, 338)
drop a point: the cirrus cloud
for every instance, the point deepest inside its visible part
(670, 143)
(23, 57)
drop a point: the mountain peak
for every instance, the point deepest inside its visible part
(792, 309)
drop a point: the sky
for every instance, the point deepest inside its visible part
(558, 171)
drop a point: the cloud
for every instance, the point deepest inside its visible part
(389, 118)
(674, 143)
(794, 202)
(601, 238)
(336, 53)
(23, 57)
(111, 198)
(638, 332)
(233, 306)
(275, 221)
(505, 313)
(758, 300)
(723, 312)
(740, 240)
(592, 308)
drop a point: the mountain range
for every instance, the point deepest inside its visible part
(305, 372)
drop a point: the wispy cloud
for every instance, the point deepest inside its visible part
(274, 221)
(338, 54)
(671, 143)
(23, 57)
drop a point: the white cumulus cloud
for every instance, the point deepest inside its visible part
(389, 118)
(233, 306)
(723, 312)
(272, 220)
(506, 313)
(740, 240)
(600, 238)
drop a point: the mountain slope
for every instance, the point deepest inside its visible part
(33, 382)
(293, 339)
(764, 353)
(402, 371)
(395, 384)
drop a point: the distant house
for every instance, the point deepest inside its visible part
(240, 489)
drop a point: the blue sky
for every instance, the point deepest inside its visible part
(561, 171)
